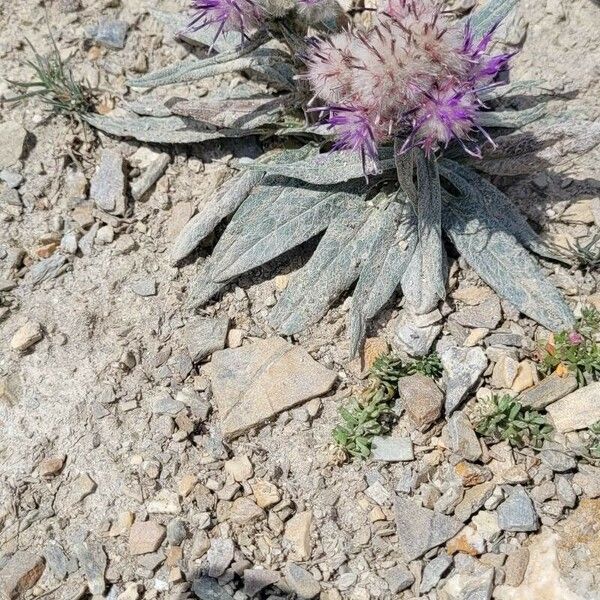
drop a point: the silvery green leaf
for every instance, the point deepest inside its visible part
(332, 269)
(491, 13)
(325, 169)
(405, 169)
(159, 130)
(424, 281)
(148, 107)
(275, 218)
(210, 215)
(177, 24)
(493, 201)
(511, 118)
(509, 89)
(383, 267)
(203, 287)
(502, 262)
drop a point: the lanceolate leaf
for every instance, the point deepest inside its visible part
(502, 262)
(203, 286)
(492, 12)
(275, 218)
(511, 118)
(493, 201)
(383, 267)
(424, 281)
(509, 89)
(210, 215)
(331, 270)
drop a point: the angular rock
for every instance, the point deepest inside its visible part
(422, 399)
(207, 588)
(433, 571)
(205, 335)
(20, 573)
(398, 578)
(301, 581)
(166, 502)
(565, 492)
(578, 410)
(107, 188)
(219, 556)
(488, 314)
(588, 479)
(462, 369)
(420, 529)
(245, 511)
(254, 383)
(463, 440)
(111, 33)
(56, 560)
(549, 390)
(25, 337)
(145, 537)
(474, 498)
(505, 372)
(240, 468)
(467, 541)
(266, 494)
(472, 584)
(297, 535)
(144, 287)
(256, 580)
(516, 566)
(392, 449)
(51, 466)
(415, 335)
(558, 461)
(12, 143)
(92, 560)
(517, 512)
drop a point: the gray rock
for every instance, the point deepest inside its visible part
(144, 287)
(415, 340)
(422, 398)
(578, 410)
(176, 532)
(462, 369)
(111, 33)
(565, 492)
(558, 461)
(165, 405)
(392, 449)
(256, 580)
(92, 560)
(13, 180)
(12, 143)
(505, 339)
(463, 440)
(433, 571)
(206, 588)
(488, 314)
(107, 188)
(474, 498)
(549, 390)
(398, 578)
(420, 529)
(56, 560)
(588, 479)
(256, 382)
(150, 176)
(301, 581)
(219, 556)
(205, 335)
(473, 584)
(517, 512)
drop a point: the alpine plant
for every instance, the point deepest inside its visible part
(413, 75)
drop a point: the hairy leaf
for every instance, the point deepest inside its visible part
(383, 267)
(331, 270)
(511, 118)
(203, 286)
(492, 12)
(502, 262)
(424, 281)
(405, 170)
(508, 89)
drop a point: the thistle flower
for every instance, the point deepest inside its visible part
(413, 74)
(227, 15)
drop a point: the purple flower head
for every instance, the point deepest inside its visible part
(575, 338)
(227, 15)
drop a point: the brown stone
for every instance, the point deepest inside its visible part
(297, 535)
(265, 493)
(472, 474)
(422, 398)
(244, 511)
(51, 466)
(20, 574)
(145, 537)
(516, 566)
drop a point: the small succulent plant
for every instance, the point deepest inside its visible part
(594, 443)
(576, 350)
(503, 418)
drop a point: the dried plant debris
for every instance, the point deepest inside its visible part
(503, 418)
(587, 253)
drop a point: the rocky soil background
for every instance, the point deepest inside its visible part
(147, 452)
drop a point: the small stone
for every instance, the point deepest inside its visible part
(20, 573)
(82, 487)
(25, 337)
(235, 337)
(487, 525)
(578, 410)
(245, 511)
(588, 479)
(13, 180)
(176, 532)
(468, 541)
(433, 571)
(186, 485)
(266, 494)
(526, 377)
(69, 243)
(105, 235)
(165, 502)
(205, 335)
(422, 398)
(12, 143)
(472, 474)
(377, 492)
(579, 212)
(558, 461)
(144, 287)
(301, 581)
(111, 33)
(474, 498)
(165, 405)
(219, 556)
(398, 578)
(476, 583)
(256, 580)
(565, 492)
(207, 588)
(549, 390)
(505, 372)
(297, 535)
(415, 334)
(462, 438)
(145, 537)
(462, 369)
(107, 188)
(488, 314)
(517, 512)
(392, 449)
(420, 529)
(516, 566)
(49, 467)
(240, 468)
(92, 560)
(181, 213)
(372, 350)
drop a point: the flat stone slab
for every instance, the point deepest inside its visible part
(254, 383)
(392, 449)
(578, 410)
(549, 390)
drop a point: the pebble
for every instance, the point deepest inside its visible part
(266, 494)
(526, 377)
(462, 369)
(487, 525)
(144, 287)
(107, 188)
(423, 400)
(245, 511)
(145, 537)
(176, 532)
(392, 449)
(49, 467)
(517, 512)
(205, 335)
(239, 468)
(516, 566)
(81, 488)
(588, 479)
(463, 440)
(398, 578)
(13, 180)
(165, 502)
(433, 572)
(12, 143)
(413, 338)
(578, 410)
(110, 33)
(105, 235)
(549, 390)
(301, 581)
(27, 336)
(256, 580)
(219, 556)
(467, 541)
(207, 588)
(20, 573)
(504, 373)
(565, 492)
(558, 461)
(297, 535)
(473, 499)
